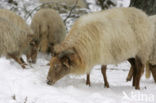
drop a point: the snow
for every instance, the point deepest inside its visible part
(123, 3)
(28, 85)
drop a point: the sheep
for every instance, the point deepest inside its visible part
(152, 61)
(106, 37)
(18, 22)
(48, 28)
(13, 41)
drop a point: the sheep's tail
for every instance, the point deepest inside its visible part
(148, 73)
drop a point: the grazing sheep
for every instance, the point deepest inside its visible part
(13, 41)
(49, 28)
(18, 22)
(152, 61)
(106, 37)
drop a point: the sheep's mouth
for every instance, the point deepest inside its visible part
(50, 82)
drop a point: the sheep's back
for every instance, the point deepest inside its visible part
(131, 35)
(16, 20)
(48, 23)
(112, 36)
(9, 39)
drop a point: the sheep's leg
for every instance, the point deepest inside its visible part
(139, 69)
(18, 60)
(88, 79)
(153, 70)
(22, 61)
(130, 74)
(133, 67)
(103, 71)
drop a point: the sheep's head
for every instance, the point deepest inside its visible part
(33, 49)
(62, 64)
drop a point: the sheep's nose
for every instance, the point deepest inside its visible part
(48, 82)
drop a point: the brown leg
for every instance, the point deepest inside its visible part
(88, 80)
(34, 56)
(103, 71)
(130, 74)
(22, 61)
(140, 67)
(153, 70)
(133, 67)
(18, 60)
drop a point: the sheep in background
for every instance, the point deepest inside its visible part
(20, 23)
(106, 37)
(13, 41)
(49, 28)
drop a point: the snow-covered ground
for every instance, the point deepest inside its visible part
(19, 85)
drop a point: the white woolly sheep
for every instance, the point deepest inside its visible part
(106, 37)
(49, 28)
(13, 41)
(20, 23)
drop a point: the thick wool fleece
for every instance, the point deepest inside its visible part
(12, 39)
(49, 28)
(110, 37)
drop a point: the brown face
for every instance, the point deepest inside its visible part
(61, 65)
(57, 71)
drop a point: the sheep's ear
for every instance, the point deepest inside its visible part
(67, 57)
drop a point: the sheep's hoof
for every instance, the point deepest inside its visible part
(106, 85)
(137, 88)
(128, 79)
(23, 66)
(88, 83)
